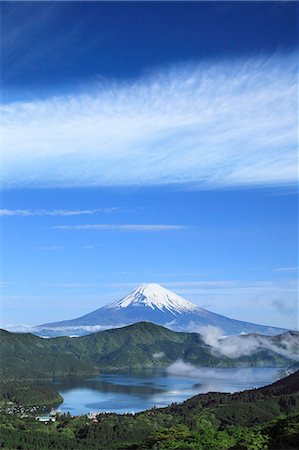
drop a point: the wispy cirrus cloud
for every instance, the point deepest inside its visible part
(54, 212)
(49, 247)
(287, 269)
(123, 227)
(230, 288)
(213, 124)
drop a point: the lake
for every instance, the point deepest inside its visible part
(143, 389)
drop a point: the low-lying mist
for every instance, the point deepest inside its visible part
(181, 368)
(286, 344)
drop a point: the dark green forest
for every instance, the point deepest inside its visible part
(28, 394)
(26, 357)
(27, 360)
(264, 418)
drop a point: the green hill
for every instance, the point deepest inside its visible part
(27, 357)
(27, 360)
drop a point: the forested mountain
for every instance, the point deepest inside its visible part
(142, 345)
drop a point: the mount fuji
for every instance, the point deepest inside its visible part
(152, 303)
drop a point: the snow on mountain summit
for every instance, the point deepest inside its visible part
(151, 303)
(155, 296)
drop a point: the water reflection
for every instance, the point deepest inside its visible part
(105, 386)
(138, 390)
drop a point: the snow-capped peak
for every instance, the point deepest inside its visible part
(156, 297)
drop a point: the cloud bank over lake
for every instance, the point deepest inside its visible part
(236, 346)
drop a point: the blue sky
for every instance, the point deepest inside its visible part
(149, 142)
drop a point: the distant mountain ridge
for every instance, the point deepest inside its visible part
(152, 303)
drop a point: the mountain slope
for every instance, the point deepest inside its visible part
(152, 303)
(28, 357)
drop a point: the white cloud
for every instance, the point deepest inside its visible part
(181, 368)
(54, 212)
(18, 327)
(230, 123)
(49, 247)
(25, 328)
(122, 227)
(235, 287)
(236, 346)
(287, 269)
(73, 285)
(227, 287)
(78, 329)
(284, 306)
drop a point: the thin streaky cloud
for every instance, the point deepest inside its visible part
(213, 124)
(224, 286)
(49, 247)
(72, 285)
(54, 212)
(123, 227)
(287, 269)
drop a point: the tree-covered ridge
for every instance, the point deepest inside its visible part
(28, 357)
(28, 394)
(265, 418)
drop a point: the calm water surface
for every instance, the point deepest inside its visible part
(139, 390)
